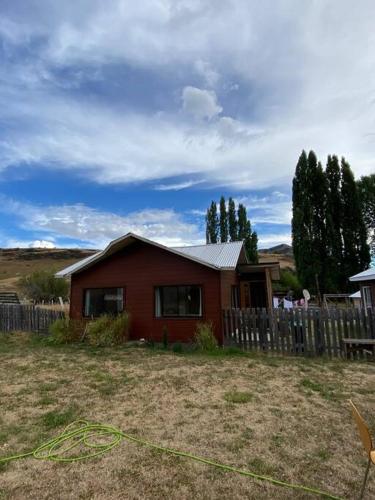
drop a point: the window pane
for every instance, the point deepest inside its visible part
(178, 301)
(170, 301)
(103, 301)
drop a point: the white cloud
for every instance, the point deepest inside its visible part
(204, 69)
(310, 89)
(200, 103)
(97, 228)
(178, 186)
(13, 243)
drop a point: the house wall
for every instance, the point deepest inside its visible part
(228, 279)
(138, 269)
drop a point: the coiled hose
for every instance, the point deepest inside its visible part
(81, 440)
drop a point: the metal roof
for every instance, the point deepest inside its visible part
(355, 295)
(217, 256)
(221, 255)
(367, 275)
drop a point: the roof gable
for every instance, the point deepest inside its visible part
(368, 275)
(217, 259)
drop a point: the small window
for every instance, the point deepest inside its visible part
(98, 301)
(178, 301)
(366, 295)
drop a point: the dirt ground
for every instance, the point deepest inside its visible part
(281, 417)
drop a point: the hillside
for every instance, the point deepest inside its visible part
(17, 262)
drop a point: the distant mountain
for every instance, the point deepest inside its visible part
(282, 249)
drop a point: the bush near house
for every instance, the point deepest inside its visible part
(43, 285)
(204, 337)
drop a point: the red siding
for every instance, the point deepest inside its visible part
(141, 267)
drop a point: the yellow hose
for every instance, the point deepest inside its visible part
(86, 439)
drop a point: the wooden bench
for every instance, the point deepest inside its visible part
(360, 346)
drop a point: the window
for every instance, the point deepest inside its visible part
(366, 295)
(178, 301)
(99, 301)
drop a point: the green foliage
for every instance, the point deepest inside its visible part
(238, 397)
(212, 224)
(165, 337)
(232, 220)
(237, 229)
(223, 221)
(289, 281)
(43, 285)
(65, 331)
(354, 231)
(108, 330)
(177, 347)
(204, 337)
(54, 419)
(328, 230)
(366, 189)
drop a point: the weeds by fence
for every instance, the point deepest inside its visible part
(312, 332)
(27, 318)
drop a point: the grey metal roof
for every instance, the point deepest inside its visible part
(217, 256)
(221, 255)
(367, 275)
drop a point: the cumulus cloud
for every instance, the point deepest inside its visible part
(200, 103)
(310, 89)
(12, 243)
(97, 228)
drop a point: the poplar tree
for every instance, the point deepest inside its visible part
(335, 277)
(212, 224)
(301, 222)
(223, 221)
(232, 220)
(354, 232)
(245, 234)
(366, 187)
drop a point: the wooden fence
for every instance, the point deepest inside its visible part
(312, 332)
(27, 318)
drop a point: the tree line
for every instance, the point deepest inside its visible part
(231, 224)
(331, 223)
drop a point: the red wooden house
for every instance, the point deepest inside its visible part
(168, 287)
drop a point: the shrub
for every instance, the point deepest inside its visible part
(204, 337)
(165, 336)
(43, 285)
(64, 331)
(108, 330)
(177, 347)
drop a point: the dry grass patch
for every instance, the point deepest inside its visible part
(282, 417)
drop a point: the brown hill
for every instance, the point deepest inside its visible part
(18, 262)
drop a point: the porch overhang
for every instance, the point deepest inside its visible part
(246, 270)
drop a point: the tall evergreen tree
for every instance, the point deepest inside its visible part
(301, 222)
(223, 221)
(356, 249)
(232, 220)
(366, 186)
(245, 234)
(212, 224)
(335, 277)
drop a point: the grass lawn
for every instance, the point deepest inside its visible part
(283, 417)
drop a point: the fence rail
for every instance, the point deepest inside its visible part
(312, 332)
(27, 318)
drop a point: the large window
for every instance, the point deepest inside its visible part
(178, 301)
(99, 301)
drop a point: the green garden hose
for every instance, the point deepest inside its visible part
(86, 439)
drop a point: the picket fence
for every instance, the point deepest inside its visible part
(27, 318)
(312, 332)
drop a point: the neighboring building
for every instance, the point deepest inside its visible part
(366, 281)
(168, 287)
(356, 299)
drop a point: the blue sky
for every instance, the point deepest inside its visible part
(120, 116)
